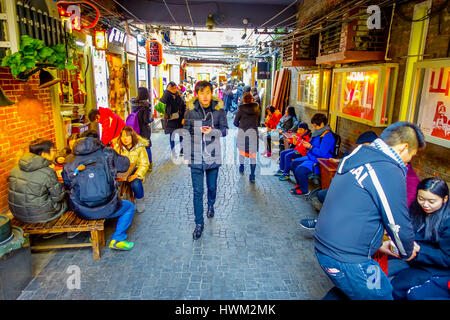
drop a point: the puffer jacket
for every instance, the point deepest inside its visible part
(35, 194)
(174, 103)
(205, 151)
(82, 149)
(247, 120)
(137, 155)
(144, 117)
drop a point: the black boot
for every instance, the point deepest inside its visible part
(210, 212)
(197, 231)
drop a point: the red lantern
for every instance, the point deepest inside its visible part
(154, 52)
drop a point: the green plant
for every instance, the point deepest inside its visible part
(33, 53)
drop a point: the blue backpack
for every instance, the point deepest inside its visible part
(95, 185)
(133, 121)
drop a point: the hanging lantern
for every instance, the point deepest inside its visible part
(154, 52)
(100, 40)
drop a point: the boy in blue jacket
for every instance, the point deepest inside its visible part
(366, 197)
(321, 145)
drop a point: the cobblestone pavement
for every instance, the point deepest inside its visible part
(252, 249)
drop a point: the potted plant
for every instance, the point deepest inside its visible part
(34, 55)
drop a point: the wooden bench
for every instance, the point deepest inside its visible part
(68, 222)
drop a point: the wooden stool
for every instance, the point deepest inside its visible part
(68, 222)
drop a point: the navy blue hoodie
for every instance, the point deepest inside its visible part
(366, 196)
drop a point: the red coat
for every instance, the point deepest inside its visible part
(300, 147)
(111, 125)
(274, 119)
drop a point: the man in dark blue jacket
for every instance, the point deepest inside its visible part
(205, 122)
(366, 197)
(89, 152)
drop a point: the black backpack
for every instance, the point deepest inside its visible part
(337, 143)
(93, 186)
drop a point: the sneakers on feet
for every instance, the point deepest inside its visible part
(251, 178)
(197, 231)
(140, 205)
(121, 245)
(299, 193)
(278, 173)
(284, 177)
(309, 224)
(210, 212)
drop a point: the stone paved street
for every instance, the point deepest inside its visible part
(252, 249)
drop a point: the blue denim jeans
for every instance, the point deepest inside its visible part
(301, 174)
(358, 281)
(138, 188)
(197, 176)
(149, 153)
(172, 142)
(125, 215)
(286, 157)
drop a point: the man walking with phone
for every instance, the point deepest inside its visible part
(206, 122)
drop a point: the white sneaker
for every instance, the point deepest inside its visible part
(140, 206)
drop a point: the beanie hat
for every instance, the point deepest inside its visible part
(366, 137)
(303, 125)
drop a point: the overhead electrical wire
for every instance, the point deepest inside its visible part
(192, 22)
(275, 16)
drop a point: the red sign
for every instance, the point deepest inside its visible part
(154, 52)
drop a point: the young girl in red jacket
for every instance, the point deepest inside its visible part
(286, 156)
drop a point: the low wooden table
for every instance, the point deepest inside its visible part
(68, 222)
(328, 169)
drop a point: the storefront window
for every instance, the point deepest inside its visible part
(430, 107)
(356, 93)
(313, 88)
(364, 94)
(308, 92)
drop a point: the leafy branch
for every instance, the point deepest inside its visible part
(34, 52)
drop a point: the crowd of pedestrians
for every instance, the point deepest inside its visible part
(374, 204)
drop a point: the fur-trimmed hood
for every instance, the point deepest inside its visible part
(216, 102)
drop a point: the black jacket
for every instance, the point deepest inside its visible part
(144, 117)
(434, 257)
(174, 103)
(204, 148)
(35, 194)
(247, 120)
(116, 163)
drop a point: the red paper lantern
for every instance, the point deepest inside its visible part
(154, 52)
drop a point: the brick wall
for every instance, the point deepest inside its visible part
(21, 123)
(434, 161)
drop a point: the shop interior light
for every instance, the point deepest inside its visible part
(100, 40)
(79, 43)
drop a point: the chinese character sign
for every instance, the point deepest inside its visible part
(154, 52)
(435, 103)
